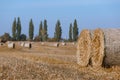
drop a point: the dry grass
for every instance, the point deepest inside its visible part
(49, 63)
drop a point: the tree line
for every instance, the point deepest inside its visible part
(43, 32)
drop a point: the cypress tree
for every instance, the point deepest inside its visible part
(70, 32)
(58, 31)
(14, 26)
(18, 29)
(45, 34)
(40, 31)
(31, 30)
(75, 31)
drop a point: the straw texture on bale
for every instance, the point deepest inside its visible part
(112, 46)
(84, 48)
(97, 48)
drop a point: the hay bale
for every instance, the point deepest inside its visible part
(106, 47)
(73, 43)
(27, 45)
(100, 47)
(11, 45)
(42, 43)
(56, 44)
(1, 44)
(63, 43)
(84, 48)
(22, 44)
(97, 48)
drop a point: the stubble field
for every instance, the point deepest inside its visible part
(47, 62)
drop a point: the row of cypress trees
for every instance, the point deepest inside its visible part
(43, 31)
(16, 29)
(73, 31)
(43, 35)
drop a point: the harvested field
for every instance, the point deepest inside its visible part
(49, 63)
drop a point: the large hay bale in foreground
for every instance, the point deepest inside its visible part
(106, 47)
(84, 48)
(100, 48)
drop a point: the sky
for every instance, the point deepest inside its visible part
(90, 14)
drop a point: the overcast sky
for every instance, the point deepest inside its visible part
(89, 14)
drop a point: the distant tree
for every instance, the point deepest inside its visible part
(40, 31)
(5, 37)
(14, 26)
(70, 32)
(51, 39)
(31, 30)
(37, 38)
(75, 31)
(58, 31)
(18, 29)
(45, 34)
(23, 37)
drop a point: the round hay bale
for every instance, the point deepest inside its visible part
(97, 48)
(73, 43)
(28, 45)
(63, 44)
(106, 47)
(0, 40)
(11, 45)
(56, 44)
(1, 44)
(84, 48)
(112, 47)
(42, 43)
(22, 44)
